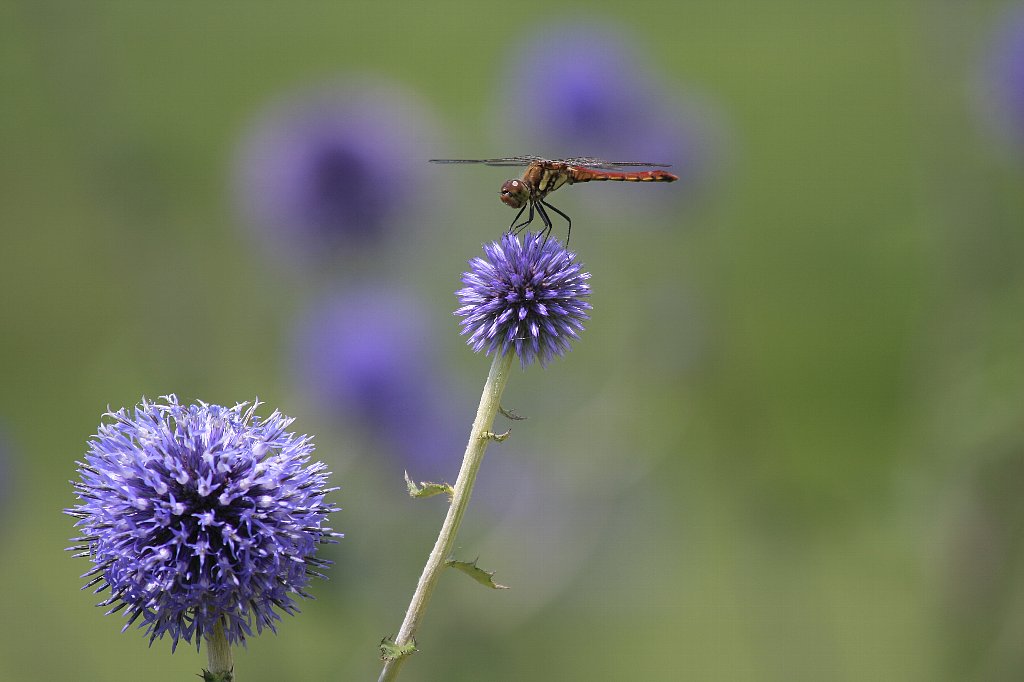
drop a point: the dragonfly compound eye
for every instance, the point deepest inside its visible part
(514, 193)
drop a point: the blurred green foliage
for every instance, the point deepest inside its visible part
(788, 447)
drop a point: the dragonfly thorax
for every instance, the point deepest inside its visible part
(515, 193)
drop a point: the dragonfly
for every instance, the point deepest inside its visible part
(543, 176)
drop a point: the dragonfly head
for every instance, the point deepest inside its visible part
(515, 193)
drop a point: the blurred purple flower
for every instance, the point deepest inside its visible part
(582, 90)
(194, 515)
(333, 169)
(1005, 74)
(363, 352)
(368, 357)
(527, 297)
(6, 486)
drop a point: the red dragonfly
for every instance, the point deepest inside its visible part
(544, 176)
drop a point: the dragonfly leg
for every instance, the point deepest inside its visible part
(516, 228)
(512, 228)
(568, 232)
(547, 220)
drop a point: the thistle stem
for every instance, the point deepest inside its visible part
(219, 652)
(479, 438)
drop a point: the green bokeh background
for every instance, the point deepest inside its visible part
(789, 444)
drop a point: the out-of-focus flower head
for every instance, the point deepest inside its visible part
(367, 356)
(363, 354)
(524, 296)
(5, 468)
(581, 89)
(333, 169)
(1004, 77)
(199, 514)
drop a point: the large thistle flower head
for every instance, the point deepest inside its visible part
(524, 296)
(199, 514)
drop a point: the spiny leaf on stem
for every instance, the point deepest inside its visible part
(390, 651)
(485, 578)
(510, 414)
(427, 489)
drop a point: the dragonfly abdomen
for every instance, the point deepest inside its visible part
(588, 175)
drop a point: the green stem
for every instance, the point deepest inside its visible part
(479, 438)
(219, 652)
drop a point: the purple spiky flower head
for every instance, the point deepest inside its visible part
(6, 474)
(367, 357)
(333, 169)
(1004, 75)
(367, 353)
(527, 296)
(199, 514)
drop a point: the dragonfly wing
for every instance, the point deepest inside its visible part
(503, 161)
(591, 162)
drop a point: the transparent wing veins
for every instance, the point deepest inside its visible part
(591, 162)
(586, 161)
(502, 161)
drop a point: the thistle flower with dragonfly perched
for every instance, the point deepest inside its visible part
(543, 176)
(525, 298)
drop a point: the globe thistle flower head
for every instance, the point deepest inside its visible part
(365, 353)
(332, 170)
(1004, 77)
(367, 356)
(194, 514)
(6, 472)
(524, 296)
